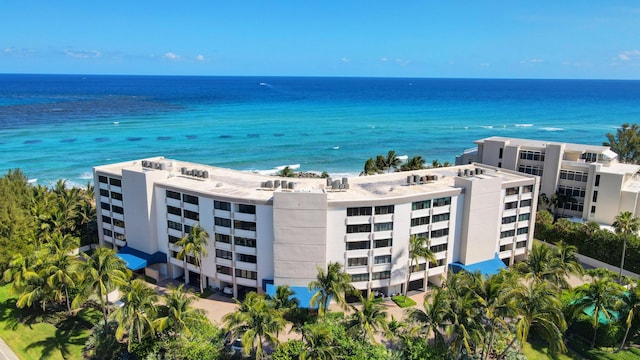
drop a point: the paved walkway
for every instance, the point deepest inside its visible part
(5, 351)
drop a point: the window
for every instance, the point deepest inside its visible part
(359, 211)
(223, 270)
(595, 196)
(218, 221)
(505, 247)
(589, 157)
(174, 225)
(360, 228)
(531, 155)
(190, 199)
(246, 274)
(439, 233)
(509, 219)
(173, 239)
(246, 209)
(107, 232)
(105, 206)
(358, 245)
(174, 210)
(383, 226)
(524, 217)
(527, 189)
(223, 238)
(381, 275)
(500, 153)
(521, 244)
(420, 221)
(571, 191)
(104, 192)
(117, 209)
(524, 230)
(511, 205)
(512, 191)
(524, 203)
(242, 241)
(244, 225)
(359, 261)
(118, 223)
(115, 182)
(439, 248)
(247, 258)
(118, 236)
(419, 267)
(102, 179)
(191, 215)
(359, 277)
(593, 209)
(419, 205)
(440, 217)
(597, 180)
(187, 229)
(116, 196)
(382, 210)
(172, 194)
(573, 175)
(528, 169)
(222, 205)
(382, 243)
(442, 201)
(383, 259)
(106, 219)
(223, 254)
(508, 233)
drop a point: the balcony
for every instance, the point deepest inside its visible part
(104, 186)
(121, 243)
(222, 230)
(420, 213)
(117, 189)
(222, 213)
(104, 199)
(244, 217)
(246, 282)
(437, 270)
(174, 232)
(386, 234)
(506, 241)
(115, 202)
(246, 250)
(439, 241)
(441, 209)
(246, 266)
(504, 254)
(174, 202)
(354, 220)
(440, 225)
(510, 212)
(223, 246)
(117, 216)
(526, 196)
(223, 262)
(190, 207)
(244, 233)
(511, 198)
(419, 229)
(224, 277)
(357, 236)
(174, 218)
(383, 218)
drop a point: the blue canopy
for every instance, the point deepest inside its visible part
(137, 259)
(487, 268)
(133, 262)
(299, 292)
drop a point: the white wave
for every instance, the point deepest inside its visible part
(336, 147)
(552, 129)
(292, 167)
(488, 127)
(523, 125)
(403, 157)
(116, 123)
(32, 181)
(86, 176)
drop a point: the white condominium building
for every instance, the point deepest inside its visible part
(601, 186)
(267, 231)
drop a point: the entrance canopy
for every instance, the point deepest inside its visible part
(487, 268)
(136, 259)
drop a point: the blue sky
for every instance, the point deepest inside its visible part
(479, 39)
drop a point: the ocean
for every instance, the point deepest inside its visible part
(60, 126)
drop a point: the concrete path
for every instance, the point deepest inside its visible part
(5, 351)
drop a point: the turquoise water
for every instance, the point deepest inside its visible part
(60, 126)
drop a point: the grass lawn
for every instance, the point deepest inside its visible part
(604, 353)
(400, 301)
(35, 339)
(539, 352)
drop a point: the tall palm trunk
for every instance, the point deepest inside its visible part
(624, 250)
(595, 333)
(624, 339)
(406, 286)
(66, 295)
(201, 275)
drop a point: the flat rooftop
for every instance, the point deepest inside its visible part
(240, 184)
(528, 143)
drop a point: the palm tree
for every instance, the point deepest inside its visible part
(559, 200)
(255, 321)
(103, 272)
(599, 298)
(62, 274)
(392, 161)
(538, 306)
(414, 163)
(194, 244)
(136, 317)
(286, 172)
(625, 143)
(625, 224)
(418, 249)
(436, 164)
(318, 342)
(629, 304)
(283, 302)
(431, 319)
(334, 283)
(370, 167)
(178, 315)
(545, 264)
(369, 318)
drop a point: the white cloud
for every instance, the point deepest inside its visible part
(629, 55)
(200, 58)
(345, 60)
(402, 62)
(171, 56)
(531, 61)
(384, 59)
(82, 54)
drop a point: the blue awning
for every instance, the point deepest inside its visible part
(137, 259)
(133, 262)
(301, 293)
(487, 268)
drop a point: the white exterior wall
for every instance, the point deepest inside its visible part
(264, 242)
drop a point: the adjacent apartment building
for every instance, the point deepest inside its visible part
(266, 230)
(601, 186)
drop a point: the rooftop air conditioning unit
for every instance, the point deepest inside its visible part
(335, 185)
(283, 183)
(269, 184)
(329, 181)
(345, 180)
(183, 171)
(276, 183)
(292, 185)
(205, 174)
(162, 166)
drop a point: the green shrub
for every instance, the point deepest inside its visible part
(400, 301)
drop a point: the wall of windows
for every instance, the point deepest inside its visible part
(420, 221)
(381, 275)
(246, 274)
(172, 194)
(439, 233)
(190, 199)
(223, 238)
(223, 254)
(241, 241)
(419, 205)
(382, 243)
(531, 155)
(359, 211)
(528, 169)
(383, 259)
(382, 210)
(218, 221)
(358, 245)
(359, 277)
(252, 259)
(440, 217)
(383, 226)
(359, 261)
(442, 201)
(221, 205)
(359, 228)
